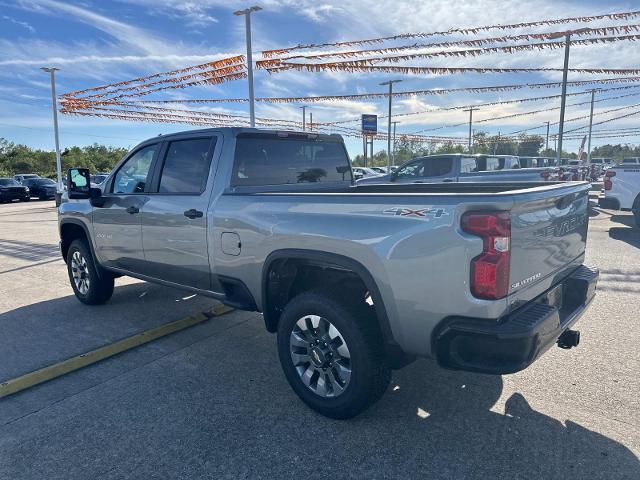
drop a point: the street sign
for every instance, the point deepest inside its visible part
(370, 124)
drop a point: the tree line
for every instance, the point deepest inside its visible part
(16, 158)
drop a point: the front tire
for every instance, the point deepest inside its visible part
(89, 287)
(331, 354)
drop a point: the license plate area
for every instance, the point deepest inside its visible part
(553, 297)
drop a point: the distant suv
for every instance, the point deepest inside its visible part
(461, 168)
(21, 177)
(43, 188)
(11, 190)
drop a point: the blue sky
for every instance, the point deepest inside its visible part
(98, 42)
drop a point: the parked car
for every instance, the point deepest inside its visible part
(380, 170)
(622, 189)
(364, 172)
(98, 178)
(355, 280)
(21, 177)
(11, 190)
(633, 160)
(43, 188)
(462, 168)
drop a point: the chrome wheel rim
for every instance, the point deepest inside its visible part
(320, 356)
(80, 273)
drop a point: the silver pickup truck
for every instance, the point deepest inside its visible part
(355, 280)
(459, 167)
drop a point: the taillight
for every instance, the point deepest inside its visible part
(608, 184)
(490, 269)
(561, 174)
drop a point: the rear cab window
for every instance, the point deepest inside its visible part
(277, 159)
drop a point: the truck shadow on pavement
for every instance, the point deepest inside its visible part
(452, 424)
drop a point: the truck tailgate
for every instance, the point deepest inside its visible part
(548, 239)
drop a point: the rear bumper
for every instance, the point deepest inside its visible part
(516, 341)
(8, 196)
(609, 203)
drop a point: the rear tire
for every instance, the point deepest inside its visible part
(26, 199)
(89, 287)
(348, 372)
(636, 210)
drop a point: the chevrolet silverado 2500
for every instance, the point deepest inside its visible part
(355, 280)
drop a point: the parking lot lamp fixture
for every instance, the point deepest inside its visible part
(390, 83)
(52, 71)
(247, 17)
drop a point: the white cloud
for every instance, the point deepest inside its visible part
(24, 25)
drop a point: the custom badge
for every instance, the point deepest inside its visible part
(425, 213)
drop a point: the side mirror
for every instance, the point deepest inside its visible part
(393, 176)
(79, 183)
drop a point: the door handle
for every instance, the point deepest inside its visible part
(447, 179)
(133, 210)
(193, 213)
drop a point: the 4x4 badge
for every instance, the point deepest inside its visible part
(416, 212)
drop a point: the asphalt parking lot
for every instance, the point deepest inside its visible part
(211, 401)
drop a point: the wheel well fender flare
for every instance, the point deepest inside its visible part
(64, 245)
(329, 259)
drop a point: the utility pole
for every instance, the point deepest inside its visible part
(593, 94)
(546, 147)
(495, 145)
(364, 148)
(394, 143)
(390, 83)
(304, 116)
(247, 17)
(52, 71)
(470, 110)
(311, 121)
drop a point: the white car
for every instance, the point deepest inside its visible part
(622, 189)
(364, 172)
(632, 160)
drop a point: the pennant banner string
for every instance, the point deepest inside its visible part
(452, 31)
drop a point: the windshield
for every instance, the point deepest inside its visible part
(7, 182)
(43, 181)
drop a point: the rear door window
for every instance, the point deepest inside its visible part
(186, 166)
(437, 166)
(270, 159)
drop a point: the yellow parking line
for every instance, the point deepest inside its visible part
(75, 363)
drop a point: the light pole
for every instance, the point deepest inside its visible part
(394, 142)
(565, 71)
(304, 116)
(311, 121)
(593, 94)
(390, 83)
(52, 71)
(547, 142)
(247, 17)
(470, 110)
